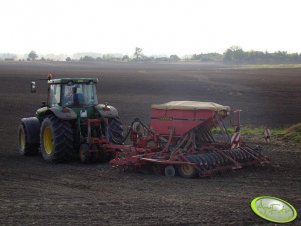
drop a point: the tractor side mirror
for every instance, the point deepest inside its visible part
(33, 87)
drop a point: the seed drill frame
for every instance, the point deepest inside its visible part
(180, 140)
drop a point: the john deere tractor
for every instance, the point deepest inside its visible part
(71, 123)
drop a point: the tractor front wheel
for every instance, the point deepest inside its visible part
(56, 139)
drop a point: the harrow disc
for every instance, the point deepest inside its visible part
(205, 159)
(200, 160)
(212, 160)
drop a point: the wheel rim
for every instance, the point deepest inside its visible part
(48, 140)
(187, 170)
(22, 139)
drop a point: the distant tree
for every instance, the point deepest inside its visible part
(32, 55)
(125, 58)
(87, 58)
(234, 54)
(174, 58)
(68, 59)
(228, 56)
(138, 53)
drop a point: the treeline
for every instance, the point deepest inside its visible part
(126, 58)
(208, 57)
(233, 55)
(138, 56)
(236, 55)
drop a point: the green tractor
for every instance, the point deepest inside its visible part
(71, 124)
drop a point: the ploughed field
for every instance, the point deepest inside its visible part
(35, 192)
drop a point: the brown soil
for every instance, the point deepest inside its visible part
(34, 192)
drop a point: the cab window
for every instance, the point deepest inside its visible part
(55, 94)
(79, 94)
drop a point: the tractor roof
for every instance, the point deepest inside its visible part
(72, 80)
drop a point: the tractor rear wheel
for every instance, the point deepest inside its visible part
(24, 145)
(187, 171)
(115, 131)
(56, 139)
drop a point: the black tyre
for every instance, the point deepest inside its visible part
(28, 136)
(56, 139)
(169, 171)
(115, 131)
(187, 171)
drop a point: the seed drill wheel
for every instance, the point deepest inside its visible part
(84, 153)
(187, 171)
(56, 139)
(24, 147)
(169, 171)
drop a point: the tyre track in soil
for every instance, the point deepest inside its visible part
(34, 192)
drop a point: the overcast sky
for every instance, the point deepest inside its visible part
(157, 26)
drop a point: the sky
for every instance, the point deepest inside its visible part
(159, 27)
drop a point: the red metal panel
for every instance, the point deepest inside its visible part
(181, 120)
(181, 126)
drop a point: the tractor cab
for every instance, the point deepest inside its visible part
(72, 93)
